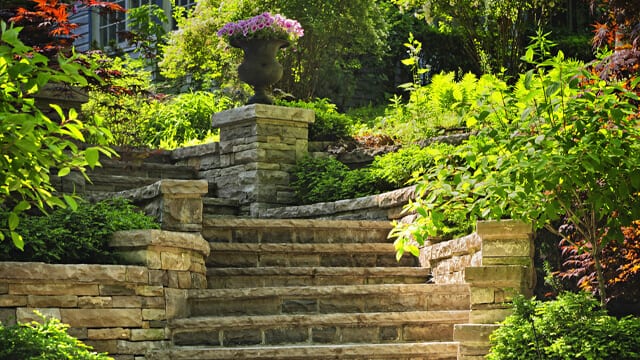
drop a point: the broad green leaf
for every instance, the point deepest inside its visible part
(92, 156)
(64, 171)
(17, 240)
(71, 202)
(13, 221)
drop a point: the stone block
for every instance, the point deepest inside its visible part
(52, 301)
(13, 300)
(324, 335)
(149, 258)
(147, 334)
(117, 289)
(138, 347)
(473, 333)
(102, 318)
(8, 316)
(126, 301)
(137, 274)
(488, 316)
(511, 276)
(359, 334)
(504, 229)
(428, 332)
(154, 314)
(54, 289)
(482, 295)
(290, 335)
(241, 337)
(150, 290)
(26, 315)
(4, 288)
(171, 260)
(109, 333)
(507, 248)
(95, 302)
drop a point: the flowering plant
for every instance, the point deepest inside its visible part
(263, 26)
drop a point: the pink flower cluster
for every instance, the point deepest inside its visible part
(263, 26)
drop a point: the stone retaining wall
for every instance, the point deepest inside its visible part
(119, 309)
(449, 259)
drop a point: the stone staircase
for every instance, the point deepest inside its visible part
(313, 289)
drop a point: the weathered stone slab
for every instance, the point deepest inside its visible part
(102, 318)
(54, 289)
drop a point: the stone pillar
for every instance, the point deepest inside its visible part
(507, 269)
(259, 145)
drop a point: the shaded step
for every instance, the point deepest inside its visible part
(220, 207)
(332, 255)
(227, 278)
(389, 327)
(328, 299)
(295, 231)
(400, 351)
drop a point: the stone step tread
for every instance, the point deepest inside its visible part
(322, 271)
(328, 291)
(262, 224)
(344, 248)
(413, 351)
(109, 164)
(198, 323)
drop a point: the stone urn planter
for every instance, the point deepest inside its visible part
(259, 67)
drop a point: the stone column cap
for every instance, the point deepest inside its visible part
(262, 111)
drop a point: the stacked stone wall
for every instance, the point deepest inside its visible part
(119, 309)
(449, 259)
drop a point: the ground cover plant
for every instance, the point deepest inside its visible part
(65, 236)
(573, 326)
(46, 339)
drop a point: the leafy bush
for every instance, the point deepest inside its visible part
(46, 340)
(183, 117)
(400, 167)
(571, 327)
(69, 237)
(329, 124)
(327, 179)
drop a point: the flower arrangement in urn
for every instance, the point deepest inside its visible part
(260, 37)
(263, 26)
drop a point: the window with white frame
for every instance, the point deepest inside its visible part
(108, 28)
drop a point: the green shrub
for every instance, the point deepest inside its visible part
(571, 327)
(183, 118)
(70, 237)
(400, 167)
(329, 124)
(327, 179)
(43, 341)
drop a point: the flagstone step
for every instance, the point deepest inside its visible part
(384, 327)
(398, 351)
(330, 255)
(227, 278)
(294, 231)
(327, 299)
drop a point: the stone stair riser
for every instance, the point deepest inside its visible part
(338, 303)
(242, 281)
(329, 259)
(279, 335)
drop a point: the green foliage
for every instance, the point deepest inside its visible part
(401, 167)
(70, 237)
(327, 179)
(33, 144)
(562, 143)
(329, 123)
(182, 118)
(340, 37)
(494, 30)
(43, 340)
(571, 327)
(139, 118)
(125, 102)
